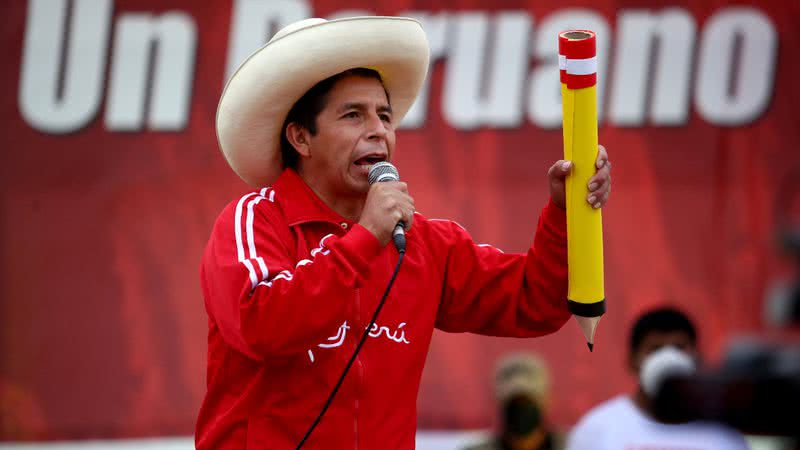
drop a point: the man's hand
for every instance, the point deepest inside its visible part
(387, 204)
(599, 185)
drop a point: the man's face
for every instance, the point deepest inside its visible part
(354, 131)
(655, 340)
(521, 415)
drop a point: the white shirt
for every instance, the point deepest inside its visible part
(618, 424)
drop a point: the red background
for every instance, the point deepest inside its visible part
(102, 326)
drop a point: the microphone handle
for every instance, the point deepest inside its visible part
(399, 237)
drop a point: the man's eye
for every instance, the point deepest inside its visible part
(386, 118)
(351, 115)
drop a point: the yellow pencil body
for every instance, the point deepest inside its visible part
(584, 223)
(586, 293)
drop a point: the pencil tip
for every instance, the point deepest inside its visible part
(588, 326)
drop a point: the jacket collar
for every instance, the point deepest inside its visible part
(300, 204)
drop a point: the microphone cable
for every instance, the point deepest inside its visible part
(402, 253)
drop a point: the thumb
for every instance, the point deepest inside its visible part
(560, 169)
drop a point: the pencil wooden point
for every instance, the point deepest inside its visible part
(588, 326)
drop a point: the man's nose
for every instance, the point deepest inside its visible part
(377, 128)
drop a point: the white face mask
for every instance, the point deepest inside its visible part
(662, 364)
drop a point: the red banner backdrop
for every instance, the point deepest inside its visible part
(111, 179)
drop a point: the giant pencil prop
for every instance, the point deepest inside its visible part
(578, 66)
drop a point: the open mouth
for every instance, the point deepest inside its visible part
(369, 160)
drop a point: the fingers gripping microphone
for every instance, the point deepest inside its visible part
(385, 171)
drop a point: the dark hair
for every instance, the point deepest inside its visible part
(305, 111)
(662, 320)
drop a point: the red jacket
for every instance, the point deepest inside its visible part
(289, 285)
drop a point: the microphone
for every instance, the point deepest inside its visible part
(385, 171)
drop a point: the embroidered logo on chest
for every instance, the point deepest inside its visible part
(376, 331)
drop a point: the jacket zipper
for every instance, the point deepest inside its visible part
(360, 376)
(359, 366)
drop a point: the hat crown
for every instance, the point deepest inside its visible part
(300, 24)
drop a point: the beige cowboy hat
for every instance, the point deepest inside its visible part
(259, 95)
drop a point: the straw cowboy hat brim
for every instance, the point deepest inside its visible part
(259, 95)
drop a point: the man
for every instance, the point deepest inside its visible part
(522, 386)
(293, 272)
(662, 339)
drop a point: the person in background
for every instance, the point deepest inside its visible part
(661, 339)
(522, 389)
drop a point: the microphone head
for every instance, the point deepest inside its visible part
(383, 171)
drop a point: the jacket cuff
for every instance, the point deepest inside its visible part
(362, 246)
(554, 220)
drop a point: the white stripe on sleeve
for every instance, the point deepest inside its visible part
(239, 243)
(288, 276)
(246, 259)
(251, 241)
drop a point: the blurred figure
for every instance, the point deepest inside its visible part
(663, 342)
(522, 386)
(783, 297)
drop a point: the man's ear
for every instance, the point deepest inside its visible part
(300, 138)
